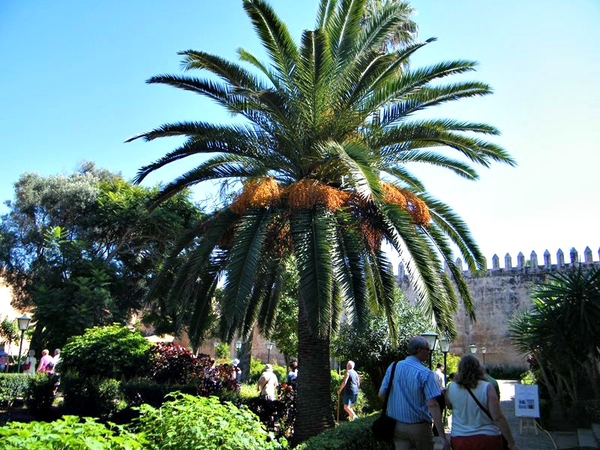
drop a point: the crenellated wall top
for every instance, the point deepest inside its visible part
(533, 264)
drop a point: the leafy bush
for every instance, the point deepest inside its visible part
(106, 352)
(506, 372)
(355, 435)
(172, 363)
(93, 396)
(141, 390)
(585, 412)
(68, 432)
(187, 422)
(40, 393)
(13, 386)
(372, 348)
(528, 377)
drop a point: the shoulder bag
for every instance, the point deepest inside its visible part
(484, 409)
(383, 427)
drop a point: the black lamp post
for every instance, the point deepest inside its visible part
(445, 348)
(238, 348)
(269, 346)
(483, 352)
(473, 349)
(431, 337)
(23, 325)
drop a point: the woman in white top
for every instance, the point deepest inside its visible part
(30, 363)
(267, 383)
(472, 428)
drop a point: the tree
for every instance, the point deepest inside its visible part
(322, 160)
(561, 333)
(81, 250)
(371, 348)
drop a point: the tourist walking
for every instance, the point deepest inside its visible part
(46, 362)
(292, 375)
(349, 387)
(412, 401)
(267, 383)
(477, 420)
(30, 363)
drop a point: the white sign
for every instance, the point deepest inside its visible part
(527, 400)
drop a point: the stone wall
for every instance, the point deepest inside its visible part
(498, 293)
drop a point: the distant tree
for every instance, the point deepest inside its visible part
(372, 347)
(81, 250)
(9, 331)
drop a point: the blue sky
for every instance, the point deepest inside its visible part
(73, 89)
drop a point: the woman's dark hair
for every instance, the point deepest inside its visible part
(470, 371)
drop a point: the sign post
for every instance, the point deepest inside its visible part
(527, 406)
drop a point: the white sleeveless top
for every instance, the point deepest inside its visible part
(467, 417)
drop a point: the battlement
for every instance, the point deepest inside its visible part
(526, 266)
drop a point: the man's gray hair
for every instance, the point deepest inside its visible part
(415, 344)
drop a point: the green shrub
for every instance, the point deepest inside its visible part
(187, 422)
(528, 377)
(506, 372)
(368, 396)
(106, 352)
(355, 435)
(13, 386)
(140, 390)
(40, 393)
(585, 412)
(68, 432)
(93, 396)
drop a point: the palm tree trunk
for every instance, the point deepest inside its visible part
(315, 414)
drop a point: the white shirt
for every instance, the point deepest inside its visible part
(439, 378)
(467, 417)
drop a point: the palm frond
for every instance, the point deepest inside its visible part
(243, 265)
(313, 232)
(275, 37)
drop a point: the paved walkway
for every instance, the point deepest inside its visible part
(527, 440)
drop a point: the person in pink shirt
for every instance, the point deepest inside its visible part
(46, 362)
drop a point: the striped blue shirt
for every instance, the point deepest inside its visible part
(412, 386)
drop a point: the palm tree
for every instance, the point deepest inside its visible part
(321, 161)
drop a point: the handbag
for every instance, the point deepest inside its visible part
(484, 409)
(383, 427)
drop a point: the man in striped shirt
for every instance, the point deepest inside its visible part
(412, 400)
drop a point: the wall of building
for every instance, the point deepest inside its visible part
(498, 293)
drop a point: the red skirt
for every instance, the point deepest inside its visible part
(478, 442)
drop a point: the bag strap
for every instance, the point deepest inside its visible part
(387, 394)
(483, 408)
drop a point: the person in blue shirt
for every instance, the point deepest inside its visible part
(350, 385)
(3, 359)
(412, 401)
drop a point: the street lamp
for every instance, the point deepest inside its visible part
(238, 348)
(269, 346)
(473, 348)
(483, 351)
(23, 325)
(431, 337)
(445, 348)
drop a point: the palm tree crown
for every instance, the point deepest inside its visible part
(323, 160)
